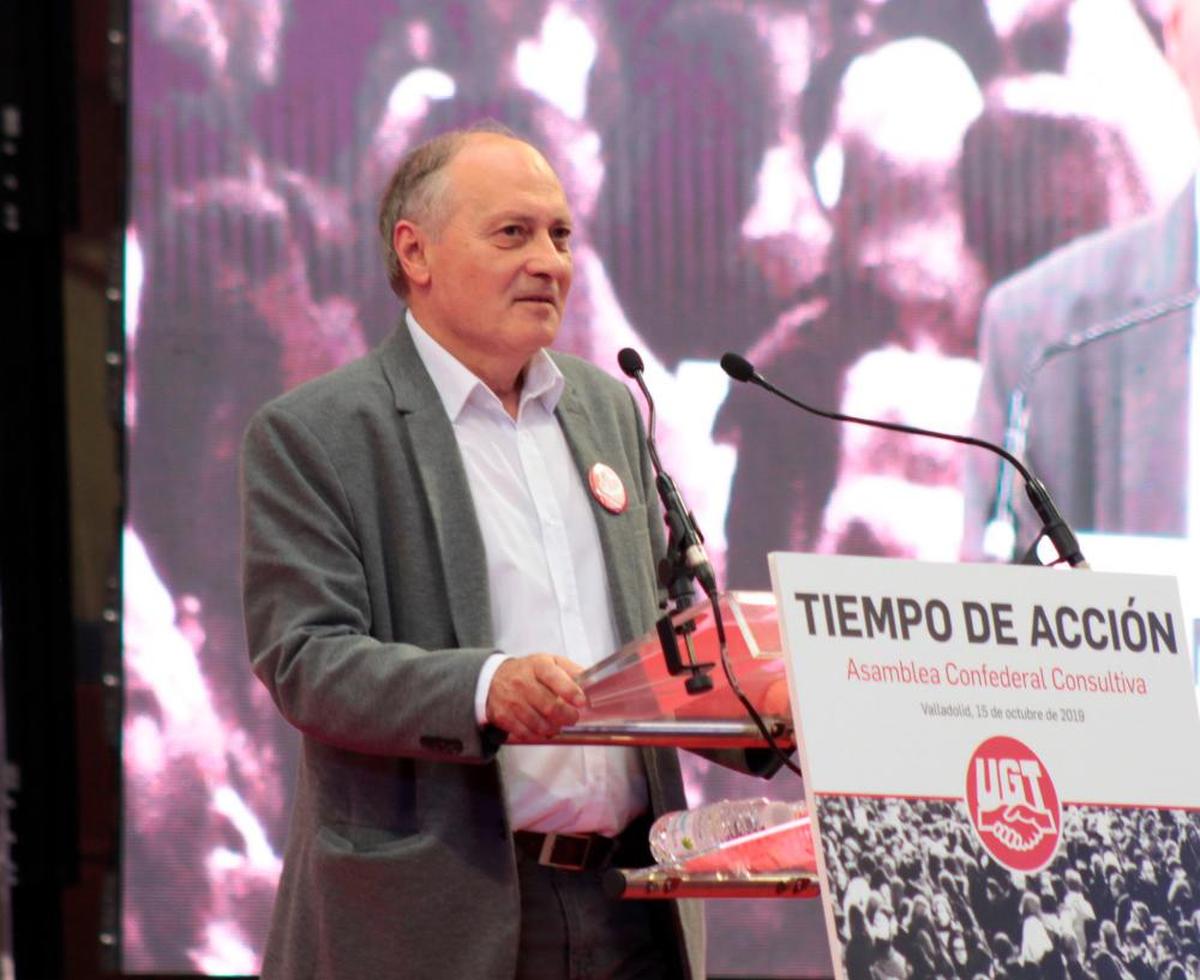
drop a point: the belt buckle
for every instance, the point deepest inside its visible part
(550, 857)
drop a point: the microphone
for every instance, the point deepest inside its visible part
(686, 539)
(999, 536)
(1054, 526)
(686, 560)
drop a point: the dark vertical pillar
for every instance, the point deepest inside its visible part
(36, 195)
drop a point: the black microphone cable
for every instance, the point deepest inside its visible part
(735, 686)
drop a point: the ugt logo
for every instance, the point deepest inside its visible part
(1013, 804)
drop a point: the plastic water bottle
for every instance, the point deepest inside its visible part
(681, 834)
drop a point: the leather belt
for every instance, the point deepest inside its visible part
(586, 852)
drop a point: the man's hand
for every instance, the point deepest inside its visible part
(534, 697)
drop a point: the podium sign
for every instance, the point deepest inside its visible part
(1000, 761)
(1164, 555)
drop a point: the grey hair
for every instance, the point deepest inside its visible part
(417, 191)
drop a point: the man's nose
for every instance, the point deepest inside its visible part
(547, 256)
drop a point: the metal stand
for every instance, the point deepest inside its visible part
(660, 882)
(700, 734)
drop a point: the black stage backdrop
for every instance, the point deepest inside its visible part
(829, 186)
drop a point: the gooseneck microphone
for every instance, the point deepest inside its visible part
(1054, 526)
(686, 538)
(687, 560)
(1000, 535)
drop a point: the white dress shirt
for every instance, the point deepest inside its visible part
(547, 583)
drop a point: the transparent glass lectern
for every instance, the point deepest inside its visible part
(777, 863)
(668, 687)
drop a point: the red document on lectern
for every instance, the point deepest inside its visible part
(784, 847)
(635, 684)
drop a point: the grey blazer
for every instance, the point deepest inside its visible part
(367, 614)
(1108, 430)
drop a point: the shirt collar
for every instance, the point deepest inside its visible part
(456, 385)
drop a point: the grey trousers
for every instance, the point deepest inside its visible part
(570, 930)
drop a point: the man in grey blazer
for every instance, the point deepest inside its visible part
(429, 534)
(1108, 422)
(1108, 428)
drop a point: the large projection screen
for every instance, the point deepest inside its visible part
(829, 186)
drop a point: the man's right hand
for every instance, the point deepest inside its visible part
(533, 697)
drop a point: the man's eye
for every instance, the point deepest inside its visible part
(512, 231)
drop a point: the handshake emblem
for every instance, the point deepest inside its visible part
(1013, 804)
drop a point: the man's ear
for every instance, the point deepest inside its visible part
(409, 243)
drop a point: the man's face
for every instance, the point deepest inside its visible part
(495, 275)
(1181, 33)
